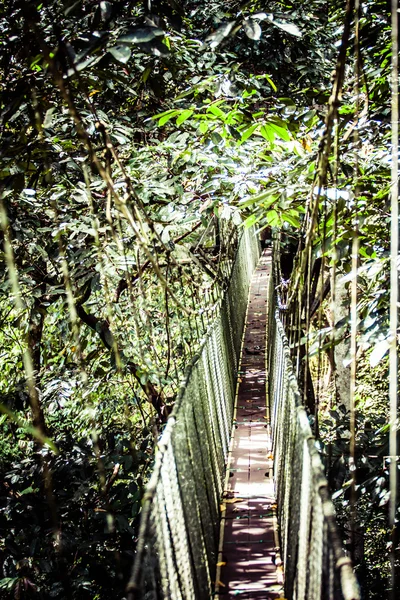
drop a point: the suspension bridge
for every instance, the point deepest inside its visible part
(238, 504)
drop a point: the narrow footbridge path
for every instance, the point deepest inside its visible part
(237, 452)
(248, 562)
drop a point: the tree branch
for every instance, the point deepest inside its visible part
(102, 328)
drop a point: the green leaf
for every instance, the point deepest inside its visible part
(154, 47)
(291, 219)
(203, 127)
(146, 74)
(271, 83)
(280, 132)
(165, 112)
(233, 132)
(379, 352)
(252, 220)
(266, 199)
(216, 138)
(106, 10)
(29, 490)
(252, 29)
(167, 117)
(289, 104)
(139, 35)
(268, 133)
(8, 583)
(121, 53)
(248, 132)
(48, 118)
(215, 38)
(273, 218)
(184, 116)
(288, 27)
(213, 108)
(34, 431)
(88, 62)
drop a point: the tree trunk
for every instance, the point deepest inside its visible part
(341, 350)
(34, 340)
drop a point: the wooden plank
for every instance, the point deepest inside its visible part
(249, 562)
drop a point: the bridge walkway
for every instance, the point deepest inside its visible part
(248, 563)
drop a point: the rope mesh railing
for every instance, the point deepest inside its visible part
(178, 538)
(315, 565)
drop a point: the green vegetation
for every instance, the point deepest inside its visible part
(137, 139)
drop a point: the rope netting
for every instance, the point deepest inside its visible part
(178, 538)
(315, 565)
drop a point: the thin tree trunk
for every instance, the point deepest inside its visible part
(34, 340)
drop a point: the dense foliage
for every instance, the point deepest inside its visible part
(137, 137)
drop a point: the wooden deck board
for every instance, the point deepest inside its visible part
(249, 565)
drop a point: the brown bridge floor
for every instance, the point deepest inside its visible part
(249, 561)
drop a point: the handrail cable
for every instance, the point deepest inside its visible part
(315, 565)
(178, 538)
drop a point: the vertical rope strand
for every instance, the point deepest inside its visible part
(320, 387)
(354, 282)
(394, 250)
(307, 329)
(334, 248)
